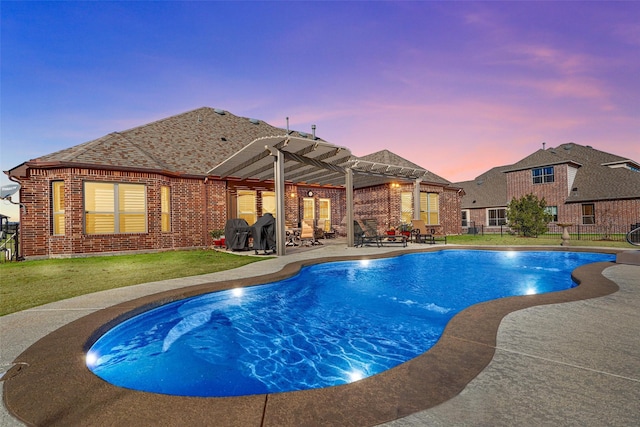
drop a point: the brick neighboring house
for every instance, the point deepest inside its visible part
(148, 189)
(581, 186)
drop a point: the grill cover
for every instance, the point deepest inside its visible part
(236, 233)
(264, 233)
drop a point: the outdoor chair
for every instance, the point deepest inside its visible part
(420, 233)
(308, 233)
(371, 235)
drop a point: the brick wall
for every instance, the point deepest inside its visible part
(383, 203)
(196, 208)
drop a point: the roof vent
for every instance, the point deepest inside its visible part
(303, 134)
(219, 111)
(255, 121)
(223, 138)
(568, 146)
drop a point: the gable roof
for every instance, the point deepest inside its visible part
(389, 158)
(599, 176)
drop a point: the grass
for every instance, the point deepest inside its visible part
(32, 283)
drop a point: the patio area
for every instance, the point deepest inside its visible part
(574, 360)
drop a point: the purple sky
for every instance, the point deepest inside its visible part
(457, 87)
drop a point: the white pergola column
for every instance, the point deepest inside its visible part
(416, 198)
(278, 173)
(348, 186)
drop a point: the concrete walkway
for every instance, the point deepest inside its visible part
(574, 363)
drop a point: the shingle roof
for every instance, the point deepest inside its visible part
(189, 143)
(486, 191)
(389, 158)
(595, 179)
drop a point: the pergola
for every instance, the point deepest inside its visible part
(298, 160)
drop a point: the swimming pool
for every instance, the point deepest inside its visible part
(331, 324)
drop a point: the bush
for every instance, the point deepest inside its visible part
(528, 216)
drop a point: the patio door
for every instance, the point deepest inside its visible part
(308, 208)
(324, 214)
(247, 206)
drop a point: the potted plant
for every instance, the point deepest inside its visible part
(405, 229)
(218, 237)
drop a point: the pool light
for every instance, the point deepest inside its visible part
(237, 292)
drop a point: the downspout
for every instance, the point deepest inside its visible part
(206, 211)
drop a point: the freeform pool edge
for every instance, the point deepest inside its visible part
(51, 385)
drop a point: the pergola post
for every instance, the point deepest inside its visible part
(416, 198)
(348, 186)
(278, 173)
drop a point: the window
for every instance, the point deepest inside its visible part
(308, 208)
(269, 202)
(553, 211)
(542, 175)
(406, 207)
(247, 206)
(588, 213)
(430, 208)
(324, 214)
(57, 191)
(465, 218)
(497, 216)
(165, 208)
(115, 208)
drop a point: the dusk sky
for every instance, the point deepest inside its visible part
(456, 87)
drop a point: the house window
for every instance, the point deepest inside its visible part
(542, 175)
(165, 208)
(406, 207)
(268, 202)
(553, 211)
(247, 206)
(57, 191)
(308, 208)
(465, 218)
(588, 213)
(497, 216)
(324, 214)
(430, 208)
(115, 208)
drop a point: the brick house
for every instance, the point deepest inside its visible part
(581, 186)
(150, 188)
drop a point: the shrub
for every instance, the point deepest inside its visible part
(528, 215)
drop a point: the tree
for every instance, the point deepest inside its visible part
(528, 215)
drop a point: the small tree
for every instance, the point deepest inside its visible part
(528, 215)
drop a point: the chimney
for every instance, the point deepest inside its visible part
(313, 131)
(543, 144)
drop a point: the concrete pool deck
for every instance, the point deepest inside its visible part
(506, 362)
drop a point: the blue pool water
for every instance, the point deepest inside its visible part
(331, 324)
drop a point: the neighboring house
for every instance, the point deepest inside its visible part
(150, 188)
(581, 186)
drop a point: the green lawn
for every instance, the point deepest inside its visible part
(32, 283)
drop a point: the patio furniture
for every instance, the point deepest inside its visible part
(395, 238)
(308, 234)
(264, 234)
(237, 232)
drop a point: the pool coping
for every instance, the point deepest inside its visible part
(50, 384)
